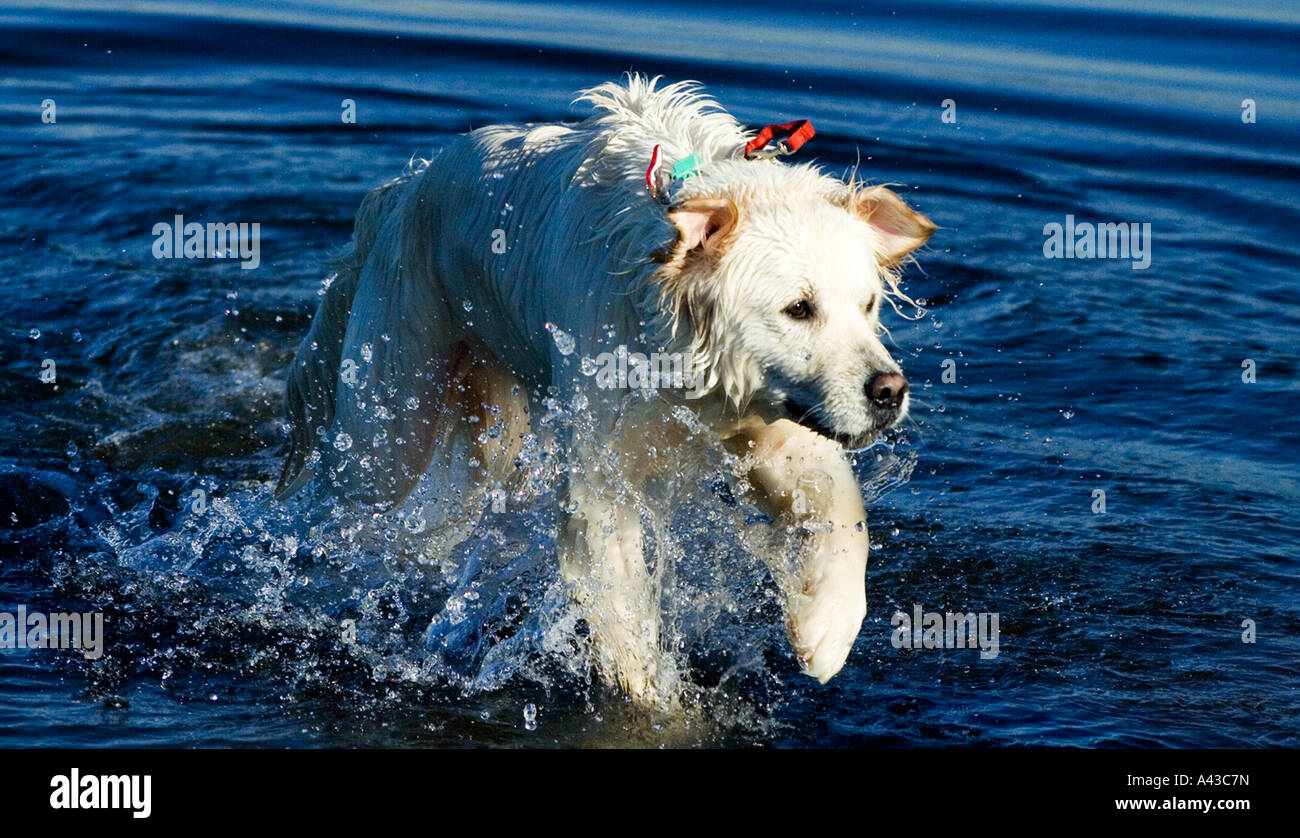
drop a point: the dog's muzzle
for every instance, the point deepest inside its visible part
(886, 394)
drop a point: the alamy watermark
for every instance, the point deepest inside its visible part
(624, 370)
(1102, 240)
(933, 630)
(178, 239)
(25, 629)
(75, 790)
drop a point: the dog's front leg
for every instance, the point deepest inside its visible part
(601, 558)
(806, 480)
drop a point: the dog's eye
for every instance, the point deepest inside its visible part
(801, 310)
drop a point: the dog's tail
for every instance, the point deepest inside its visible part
(315, 373)
(632, 117)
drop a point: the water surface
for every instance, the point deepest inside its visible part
(305, 624)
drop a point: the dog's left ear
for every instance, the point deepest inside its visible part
(703, 223)
(900, 228)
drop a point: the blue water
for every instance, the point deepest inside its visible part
(307, 624)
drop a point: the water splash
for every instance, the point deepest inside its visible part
(442, 598)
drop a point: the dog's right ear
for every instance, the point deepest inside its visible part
(702, 223)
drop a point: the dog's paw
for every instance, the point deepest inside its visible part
(822, 626)
(651, 683)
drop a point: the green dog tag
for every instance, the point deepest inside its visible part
(686, 167)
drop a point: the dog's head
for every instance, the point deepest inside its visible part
(782, 289)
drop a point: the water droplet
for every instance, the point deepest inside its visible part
(342, 442)
(563, 340)
(455, 610)
(530, 716)
(467, 305)
(367, 352)
(34, 334)
(412, 403)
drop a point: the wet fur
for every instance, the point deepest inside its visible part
(423, 325)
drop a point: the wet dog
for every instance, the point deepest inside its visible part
(476, 278)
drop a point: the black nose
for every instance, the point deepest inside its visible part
(886, 389)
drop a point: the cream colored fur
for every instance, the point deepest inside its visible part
(425, 325)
